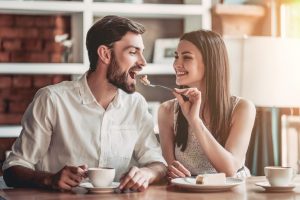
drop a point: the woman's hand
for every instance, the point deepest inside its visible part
(177, 170)
(190, 108)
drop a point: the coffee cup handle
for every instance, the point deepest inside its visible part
(266, 172)
(294, 173)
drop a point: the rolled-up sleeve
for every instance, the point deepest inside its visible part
(35, 137)
(147, 149)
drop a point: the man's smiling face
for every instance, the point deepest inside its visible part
(126, 61)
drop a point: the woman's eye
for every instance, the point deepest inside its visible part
(187, 58)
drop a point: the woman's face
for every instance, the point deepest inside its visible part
(188, 65)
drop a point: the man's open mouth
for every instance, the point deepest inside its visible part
(134, 71)
(132, 74)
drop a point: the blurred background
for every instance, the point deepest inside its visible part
(43, 42)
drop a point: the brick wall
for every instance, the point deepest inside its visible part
(27, 38)
(30, 38)
(17, 91)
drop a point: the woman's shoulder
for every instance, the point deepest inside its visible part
(243, 106)
(167, 107)
(243, 103)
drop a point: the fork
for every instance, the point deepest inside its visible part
(161, 86)
(185, 98)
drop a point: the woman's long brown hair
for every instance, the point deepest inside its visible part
(217, 94)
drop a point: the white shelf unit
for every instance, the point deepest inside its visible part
(82, 15)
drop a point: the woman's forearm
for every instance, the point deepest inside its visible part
(220, 158)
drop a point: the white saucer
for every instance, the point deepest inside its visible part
(266, 185)
(109, 189)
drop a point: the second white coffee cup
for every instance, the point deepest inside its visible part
(101, 177)
(279, 176)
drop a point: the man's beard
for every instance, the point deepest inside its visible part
(118, 78)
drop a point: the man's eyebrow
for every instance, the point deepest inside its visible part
(132, 46)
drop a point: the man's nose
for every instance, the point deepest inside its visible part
(142, 61)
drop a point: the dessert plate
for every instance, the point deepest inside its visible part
(190, 184)
(270, 188)
(109, 189)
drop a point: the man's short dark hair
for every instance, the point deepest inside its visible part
(107, 31)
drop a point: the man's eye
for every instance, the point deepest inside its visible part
(176, 57)
(132, 52)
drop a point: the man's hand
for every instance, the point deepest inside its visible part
(137, 179)
(68, 177)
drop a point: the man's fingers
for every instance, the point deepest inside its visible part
(138, 183)
(64, 186)
(85, 170)
(128, 177)
(77, 170)
(71, 182)
(144, 186)
(133, 180)
(76, 177)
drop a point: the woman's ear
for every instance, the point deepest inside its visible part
(104, 54)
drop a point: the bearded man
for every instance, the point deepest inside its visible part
(97, 121)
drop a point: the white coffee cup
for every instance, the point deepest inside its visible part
(101, 176)
(279, 176)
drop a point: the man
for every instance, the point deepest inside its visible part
(91, 122)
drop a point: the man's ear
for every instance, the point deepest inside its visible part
(104, 54)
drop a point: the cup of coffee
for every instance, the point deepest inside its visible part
(280, 176)
(101, 176)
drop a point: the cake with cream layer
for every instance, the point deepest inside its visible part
(211, 179)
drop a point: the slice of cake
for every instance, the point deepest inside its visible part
(211, 179)
(144, 80)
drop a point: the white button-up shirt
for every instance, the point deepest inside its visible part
(64, 125)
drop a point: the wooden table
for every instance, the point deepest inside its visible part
(160, 192)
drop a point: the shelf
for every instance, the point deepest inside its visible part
(237, 20)
(103, 8)
(242, 10)
(69, 68)
(148, 10)
(41, 7)
(42, 68)
(83, 12)
(10, 131)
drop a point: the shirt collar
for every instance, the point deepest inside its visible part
(118, 101)
(85, 92)
(88, 97)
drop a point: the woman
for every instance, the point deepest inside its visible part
(209, 132)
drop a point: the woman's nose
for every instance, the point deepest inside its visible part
(177, 63)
